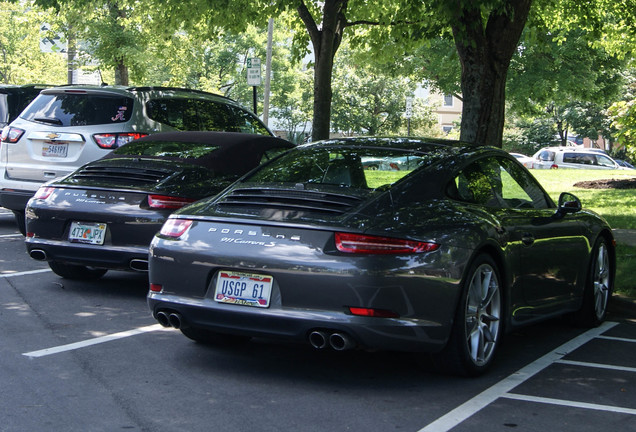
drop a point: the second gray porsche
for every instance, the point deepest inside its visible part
(382, 243)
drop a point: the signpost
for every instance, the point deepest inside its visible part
(409, 114)
(254, 75)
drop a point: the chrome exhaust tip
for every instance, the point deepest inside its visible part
(38, 254)
(318, 339)
(341, 341)
(175, 320)
(163, 319)
(140, 265)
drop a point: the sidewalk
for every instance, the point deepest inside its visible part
(625, 236)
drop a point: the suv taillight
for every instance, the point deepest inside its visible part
(111, 141)
(11, 134)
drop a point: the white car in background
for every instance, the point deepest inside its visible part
(572, 157)
(526, 161)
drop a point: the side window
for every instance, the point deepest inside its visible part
(216, 116)
(246, 122)
(177, 113)
(499, 183)
(604, 161)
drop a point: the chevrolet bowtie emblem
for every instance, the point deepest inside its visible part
(53, 136)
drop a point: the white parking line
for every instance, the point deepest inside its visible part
(11, 235)
(570, 403)
(24, 273)
(503, 387)
(94, 341)
(597, 365)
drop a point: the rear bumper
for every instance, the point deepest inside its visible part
(108, 257)
(295, 325)
(15, 199)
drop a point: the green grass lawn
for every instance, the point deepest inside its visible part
(617, 206)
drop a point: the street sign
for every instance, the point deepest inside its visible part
(409, 107)
(51, 43)
(254, 71)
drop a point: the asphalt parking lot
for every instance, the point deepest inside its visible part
(77, 356)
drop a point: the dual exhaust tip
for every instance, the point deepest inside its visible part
(170, 319)
(320, 339)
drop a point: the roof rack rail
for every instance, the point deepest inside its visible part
(150, 88)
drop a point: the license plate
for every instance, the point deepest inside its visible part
(92, 233)
(54, 150)
(243, 289)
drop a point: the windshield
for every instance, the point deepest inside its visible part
(365, 168)
(173, 149)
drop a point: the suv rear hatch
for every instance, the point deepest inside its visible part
(62, 130)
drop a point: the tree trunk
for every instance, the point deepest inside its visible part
(325, 43)
(485, 53)
(121, 73)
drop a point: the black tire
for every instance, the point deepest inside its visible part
(209, 337)
(478, 324)
(76, 272)
(19, 221)
(599, 286)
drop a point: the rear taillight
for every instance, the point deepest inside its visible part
(366, 244)
(175, 228)
(156, 287)
(167, 202)
(554, 166)
(44, 192)
(11, 134)
(112, 141)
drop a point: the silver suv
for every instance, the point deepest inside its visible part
(67, 127)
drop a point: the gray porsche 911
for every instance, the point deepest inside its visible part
(382, 243)
(104, 215)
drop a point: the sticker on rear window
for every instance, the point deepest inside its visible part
(120, 114)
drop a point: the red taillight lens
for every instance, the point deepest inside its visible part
(372, 312)
(366, 244)
(167, 202)
(175, 228)
(44, 192)
(112, 141)
(554, 166)
(155, 287)
(11, 134)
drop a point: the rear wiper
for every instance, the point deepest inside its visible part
(49, 120)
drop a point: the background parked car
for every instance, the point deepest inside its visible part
(104, 215)
(572, 157)
(66, 127)
(524, 160)
(442, 258)
(14, 98)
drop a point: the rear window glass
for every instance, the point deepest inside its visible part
(359, 168)
(203, 115)
(173, 149)
(79, 109)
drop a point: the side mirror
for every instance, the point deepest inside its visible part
(568, 203)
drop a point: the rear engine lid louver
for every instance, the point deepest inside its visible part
(315, 202)
(120, 175)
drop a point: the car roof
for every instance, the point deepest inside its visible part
(404, 143)
(236, 149)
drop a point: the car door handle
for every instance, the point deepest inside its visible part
(527, 239)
